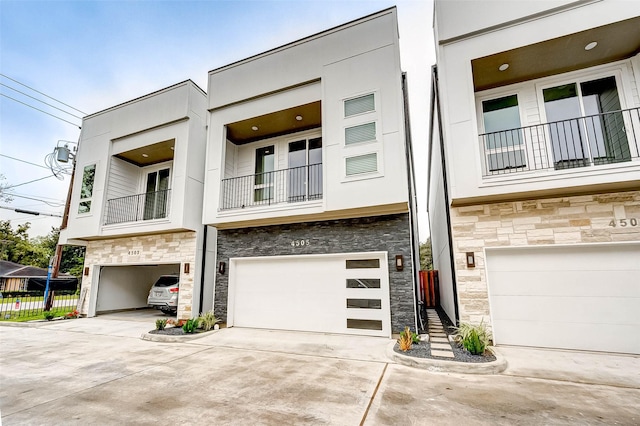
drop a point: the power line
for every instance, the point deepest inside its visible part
(33, 97)
(43, 94)
(31, 181)
(37, 109)
(49, 203)
(23, 161)
(30, 212)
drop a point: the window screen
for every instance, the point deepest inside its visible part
(359, 105)
(362, 133)
(362, 164)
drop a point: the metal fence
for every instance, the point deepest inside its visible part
(134, 208)
(31, 305)
(606, 138)
(280, 186)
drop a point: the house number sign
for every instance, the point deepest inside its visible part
(299, 243)
(134, 252)
(624, 222)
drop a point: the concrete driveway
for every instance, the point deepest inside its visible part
(98, 371)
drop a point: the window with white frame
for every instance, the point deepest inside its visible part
(502, 141)
(362, 144)
(359, 105)
(86, 191)
(361, 164)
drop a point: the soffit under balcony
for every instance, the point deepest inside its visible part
(291, 120)
(616, 41)
(149, 154)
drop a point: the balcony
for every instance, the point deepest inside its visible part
(139, 207)
(292, 185)
(589, 141)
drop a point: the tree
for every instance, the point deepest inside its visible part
(426, 259)
(5, 190)
(16, 247)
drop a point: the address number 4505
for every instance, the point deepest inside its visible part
(624, 222)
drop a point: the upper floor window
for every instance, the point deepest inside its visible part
(361, 133)
(502, 138)
(360, 164)
(359, 105)
(86, 191)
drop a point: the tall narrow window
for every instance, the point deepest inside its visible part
(304, 180)
(86, 192)
(503, 144)
(156, 194)
(263, 182)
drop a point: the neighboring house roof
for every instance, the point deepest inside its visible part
(15, 270)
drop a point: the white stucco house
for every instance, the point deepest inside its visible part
(534, 186)
(137, 199)
(308, 183)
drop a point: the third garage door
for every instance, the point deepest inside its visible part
(582, 297)
(338, 293)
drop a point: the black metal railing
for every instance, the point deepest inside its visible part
(30, 305)
(134, 208)
(593, 140)
(280, 186)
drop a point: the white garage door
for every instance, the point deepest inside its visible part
(346, 293)
(585, 297)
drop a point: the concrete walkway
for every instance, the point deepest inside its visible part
(99, 371)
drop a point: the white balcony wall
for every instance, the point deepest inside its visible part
(459, 107)
(174, 113)
(353, 60)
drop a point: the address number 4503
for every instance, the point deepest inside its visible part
(624, 222)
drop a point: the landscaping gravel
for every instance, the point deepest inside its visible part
(171, 331)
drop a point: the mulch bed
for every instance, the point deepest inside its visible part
(175, 331)
(423, 349)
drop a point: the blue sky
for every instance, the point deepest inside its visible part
(92, 55)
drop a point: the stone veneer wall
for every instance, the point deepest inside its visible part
(149, 249)
(381, 233)
(565, 220)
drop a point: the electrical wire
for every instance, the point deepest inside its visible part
(47, 104)
(43, 94)
(56, 168)
(49, 203)
(38, 109)
(31, 181)
(23, 161)
(17, 210)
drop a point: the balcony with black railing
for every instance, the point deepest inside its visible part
(594, 140)
(292, 185)
(139, 207)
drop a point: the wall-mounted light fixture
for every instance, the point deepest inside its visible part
(86, 271)
(399, 262)
(221, 267)
(471, 259)
(186, 268)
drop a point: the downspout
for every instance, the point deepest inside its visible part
(413, 224)
(435, 101)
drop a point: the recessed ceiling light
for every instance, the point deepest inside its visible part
(591, 45)
(254, 128)
(299, 117)
(145, 155)
(171, 148)
(503, 67)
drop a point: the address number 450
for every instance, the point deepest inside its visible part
(624, 222)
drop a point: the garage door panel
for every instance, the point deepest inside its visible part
(527, 333)
(555, 283)
(310, 293)
(581, 297)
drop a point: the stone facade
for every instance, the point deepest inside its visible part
(610, 217)
(381, 233)
(149, 249)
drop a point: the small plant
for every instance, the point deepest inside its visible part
(191, 325)
(48, 315)
(208, 320)
(161, 323)
(474, 338)
(407, 338)
(176, 323)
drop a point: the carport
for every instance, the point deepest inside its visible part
(127, 287)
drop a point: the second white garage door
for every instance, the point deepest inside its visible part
(338, 293)
(582, 297)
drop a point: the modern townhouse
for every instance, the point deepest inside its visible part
(309, 185)
(137, 200)
(534, 187)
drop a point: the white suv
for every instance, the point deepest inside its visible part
(164, 294)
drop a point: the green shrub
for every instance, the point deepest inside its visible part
(207, 320)
(48, 315)
(407, 338)
(161, 323)
(191, 325)
(474, 338)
